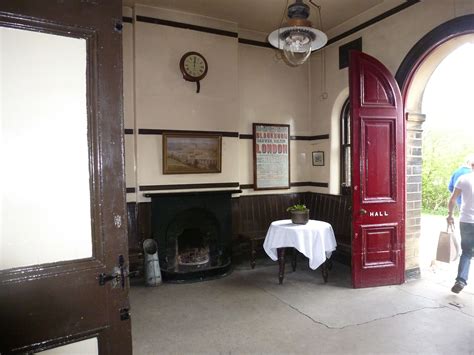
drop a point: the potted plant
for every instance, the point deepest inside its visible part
(299, 213)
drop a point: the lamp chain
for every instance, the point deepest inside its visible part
(278, 55)
(324, 94)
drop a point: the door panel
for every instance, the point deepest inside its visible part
(88, 346)
(64, 204)
(377, 142)
(377, 90)
(378, 173)
(379, 241)
(36, 168)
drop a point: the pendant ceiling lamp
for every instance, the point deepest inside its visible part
(297, 38)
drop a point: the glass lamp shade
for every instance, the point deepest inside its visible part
(297, 42)
(297, 47)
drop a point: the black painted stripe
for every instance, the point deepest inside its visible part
(293, 184)
(319, 184)
(187, 26)
(246, 186)
(309, 183)
(246, 136)
(188, 186)
(293, 138)
(128, 131)
(148, 131)
(256, 43)
(320, 137)
(309, 138)
(130, 190)
(374, 20)
(368, 23)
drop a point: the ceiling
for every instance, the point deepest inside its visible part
(266, 15)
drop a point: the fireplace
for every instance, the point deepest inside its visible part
(192, 249)
(193, 233)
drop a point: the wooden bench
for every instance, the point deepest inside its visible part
(257, 212)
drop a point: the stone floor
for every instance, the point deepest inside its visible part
(248, 312)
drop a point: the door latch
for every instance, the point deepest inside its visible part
(124, 313)
(118, 275)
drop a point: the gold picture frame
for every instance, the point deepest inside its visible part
(191, 153)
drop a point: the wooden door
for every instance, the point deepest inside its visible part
(378, 174)
(63, 195)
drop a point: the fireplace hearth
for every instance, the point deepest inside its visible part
(192, 248)
(193, 233)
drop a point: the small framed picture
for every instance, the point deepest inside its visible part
(318, 158)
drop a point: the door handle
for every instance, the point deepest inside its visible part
(363, 211)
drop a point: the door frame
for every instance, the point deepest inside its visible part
(412, 81)
(96, 308)
(412, 77)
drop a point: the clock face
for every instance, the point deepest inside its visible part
(194, 66)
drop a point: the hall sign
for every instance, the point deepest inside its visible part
(378, 214)
(271, 148)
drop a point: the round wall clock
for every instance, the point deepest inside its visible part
(193, 67)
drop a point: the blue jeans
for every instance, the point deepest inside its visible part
(467, 243)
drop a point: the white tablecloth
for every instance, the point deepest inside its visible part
(314, 239)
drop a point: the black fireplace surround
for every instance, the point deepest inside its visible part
(193, 231)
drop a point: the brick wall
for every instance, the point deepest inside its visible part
(414, 161)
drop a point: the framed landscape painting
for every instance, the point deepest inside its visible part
(191, 153)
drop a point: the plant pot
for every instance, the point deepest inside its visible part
(299, 217)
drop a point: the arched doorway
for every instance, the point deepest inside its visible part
(412, 77)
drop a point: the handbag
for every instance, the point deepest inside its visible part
(448, 246)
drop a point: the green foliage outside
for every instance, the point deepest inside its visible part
(443, 152)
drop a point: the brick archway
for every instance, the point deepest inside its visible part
(412, 77)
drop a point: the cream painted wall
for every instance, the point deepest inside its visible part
(163, 100)
(245, 84)
(271, 91)
(389, 41)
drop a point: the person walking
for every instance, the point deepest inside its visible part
(464, 188)
(464, 169)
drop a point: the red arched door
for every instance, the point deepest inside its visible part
(378, 174)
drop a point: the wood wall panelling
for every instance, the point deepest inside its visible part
(252, 215)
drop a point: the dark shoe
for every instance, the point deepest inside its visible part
(458, 286)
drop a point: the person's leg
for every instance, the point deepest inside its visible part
(467, 243)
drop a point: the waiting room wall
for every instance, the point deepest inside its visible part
(245, 84)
